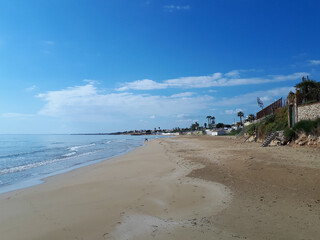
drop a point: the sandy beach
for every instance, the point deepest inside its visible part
(175, 188)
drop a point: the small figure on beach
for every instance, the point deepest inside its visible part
(146, 140)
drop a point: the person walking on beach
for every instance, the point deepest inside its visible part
(146, 140)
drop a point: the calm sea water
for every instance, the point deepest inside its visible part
(26, 159)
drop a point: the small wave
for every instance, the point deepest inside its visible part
(39, 164)
(27, 166)
(75, 148)
(69, 154)
(107, 142)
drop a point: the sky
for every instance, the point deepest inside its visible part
(88, 66)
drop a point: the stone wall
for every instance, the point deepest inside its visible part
(311, 111)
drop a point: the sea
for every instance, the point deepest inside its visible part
(27, 159)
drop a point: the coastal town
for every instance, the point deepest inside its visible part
(294, 119)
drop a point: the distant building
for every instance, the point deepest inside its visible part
(219, 132)
(216, 132)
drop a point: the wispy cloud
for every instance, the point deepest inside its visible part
(314, 62)
(268, 96)
(212, 91)
(233, 74)
(49, 43)
(215, 80)
(90, 104)
(186, 121)
(231, 112)
(29, 89)
(171, 8)
(181, 95)
(145, 84)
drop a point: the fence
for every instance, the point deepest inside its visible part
(271, 108)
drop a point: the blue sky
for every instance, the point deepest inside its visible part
(112, 65)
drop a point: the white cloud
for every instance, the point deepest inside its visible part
(183, 115)
(233, 74)
(282, 78)
(265, 99)
(187, 121)
(181, 95)
(87, 103)
(314, 62)
(267, 95)
(230, 112)
(145, 84)
(171, 8)
(214, 80)
(193, 82)
(31, 88)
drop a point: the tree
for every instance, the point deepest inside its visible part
(220, 125)
(205, 125)
(240, 114)
(195, 126)
(209, 118)
(212, 120)
(251, 117)
(309, 90)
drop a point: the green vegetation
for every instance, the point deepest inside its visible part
(240, 115)
(251, 128)
(308, 126)
(308, 91)
(275, 122)
(220, 125)
(234, 132)
(251, 117)
(279, 121)
(311, 127)
(211, 121)
(288, 133)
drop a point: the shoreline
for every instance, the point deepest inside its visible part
(175, 188)
(142, 186)
(34, 181)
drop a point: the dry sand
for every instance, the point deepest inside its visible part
(175, 188)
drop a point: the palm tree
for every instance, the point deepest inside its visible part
(251, 117)
(209, 118)
(240, 114)
(212, 120)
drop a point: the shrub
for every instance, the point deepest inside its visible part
(308, 126)
(275, 122)
(289, 134)
(251, 128)
(234, 132)
(269, 119)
